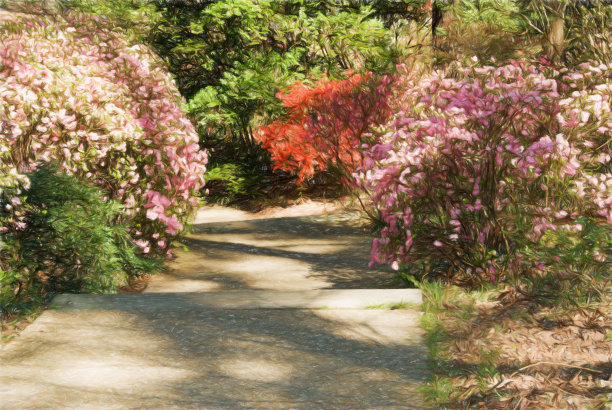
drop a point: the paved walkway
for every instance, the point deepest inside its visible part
(260, 313)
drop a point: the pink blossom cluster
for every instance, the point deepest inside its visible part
(465, 158)
(75, 92)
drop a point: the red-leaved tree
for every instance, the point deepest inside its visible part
(325, 124)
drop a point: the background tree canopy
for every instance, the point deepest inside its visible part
(230, 58)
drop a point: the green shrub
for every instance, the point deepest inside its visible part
(63, 237)
(577, 263)
(228, 182)
(133, 17)
(231, 57)
(488, 29)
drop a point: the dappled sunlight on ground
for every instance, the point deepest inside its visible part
(369, 326)
(185, 356)
(218, 270)
(89, 354)
(287, 243)
(268, 332)
(214, 213)
(256, 369)
(292, 253)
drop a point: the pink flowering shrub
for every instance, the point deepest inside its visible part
(77, 93)
(504, 170)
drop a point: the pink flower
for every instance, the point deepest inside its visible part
(155, 213)
(173, 225)
(110, 87)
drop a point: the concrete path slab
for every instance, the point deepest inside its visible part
(261, 313)
(292, 253)
(191, 357)
(216, 213)
(246, 299)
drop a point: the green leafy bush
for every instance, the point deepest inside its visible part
(231, 58)
(488, 29)
(63, 237)
(133, 17)
(229, 182)
(578, 265)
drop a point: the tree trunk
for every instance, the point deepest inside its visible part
(438, 17)
(556, 31)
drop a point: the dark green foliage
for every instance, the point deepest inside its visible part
(579, 266)
(229, 182)
(63, 237)
(232, 57)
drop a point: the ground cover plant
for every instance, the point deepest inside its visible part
(488, 353)
(60, 235)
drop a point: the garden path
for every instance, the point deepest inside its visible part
(263, 311)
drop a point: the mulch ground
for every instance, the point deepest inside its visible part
(542, 359)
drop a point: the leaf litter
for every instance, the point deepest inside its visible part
(521, 355)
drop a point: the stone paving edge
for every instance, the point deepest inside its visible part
(245, 299)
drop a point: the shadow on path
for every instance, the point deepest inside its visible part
(315, 252)
(172, 348)
(193, 356)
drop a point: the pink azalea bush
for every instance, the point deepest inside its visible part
(76, 93)
(499, 171)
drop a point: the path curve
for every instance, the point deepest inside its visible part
(297, 248)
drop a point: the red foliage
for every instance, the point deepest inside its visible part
(325, 124)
